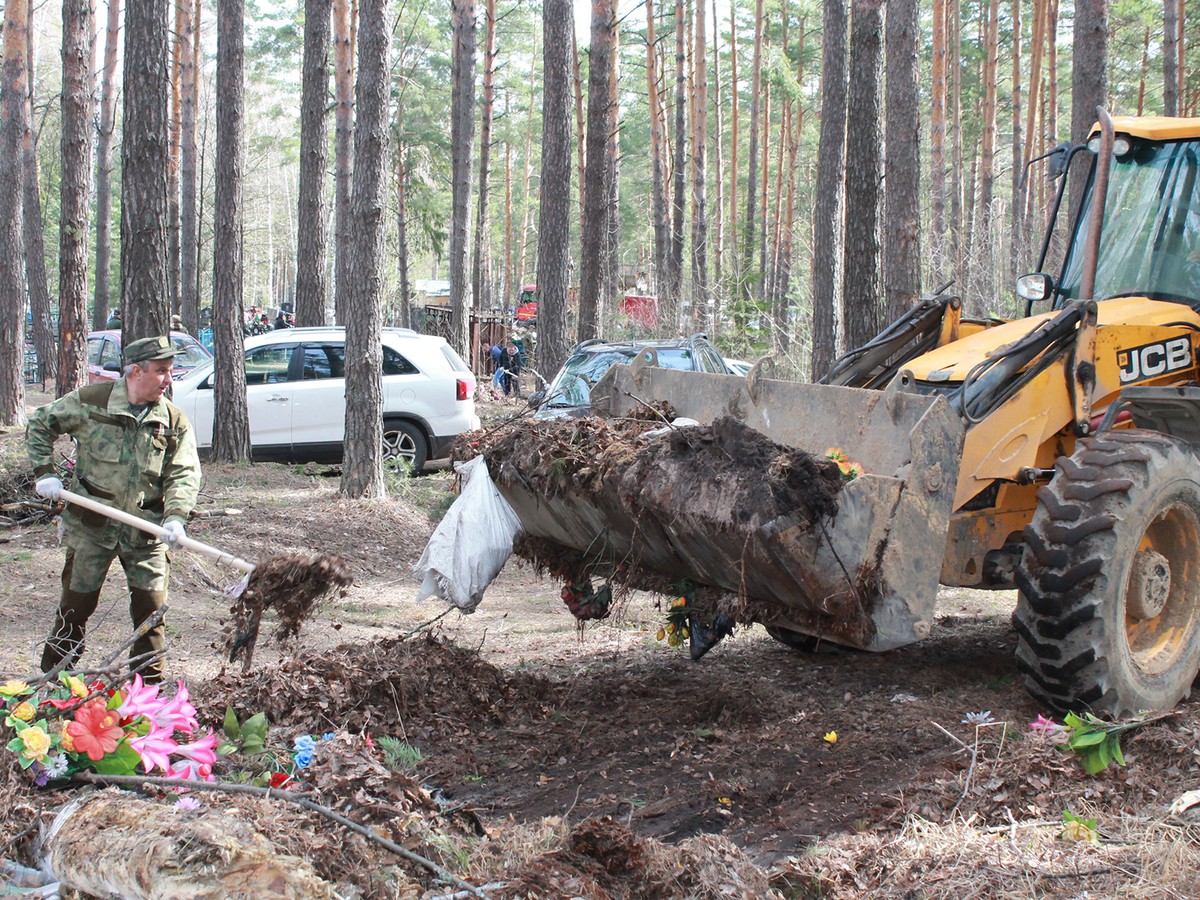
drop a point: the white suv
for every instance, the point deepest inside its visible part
(296, 394)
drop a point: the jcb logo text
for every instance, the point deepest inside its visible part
(1153, 360)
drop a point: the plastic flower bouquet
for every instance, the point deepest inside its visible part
(69, 727)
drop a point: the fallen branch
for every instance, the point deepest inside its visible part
(107, 665)
(290, 797)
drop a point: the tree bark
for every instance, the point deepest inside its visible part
(75, 147)
(526, 191)
(554, 224)
(144, 172)
(983, 239)
(954, 66)
(231, 421)
(481, 268)
(718, 230)
(937, 136)
(343, 79)
(860, 281)
(902, 165)
(362, 468)
(658, 189)
(700, 292)
(596, 184)
(462, 136)
(104, 167)
(311, 238)
(13, 86)
(1171, 10)
(1016, 250)
(610, 265)
(31, 228)
(672, 294)
(1089, 81)
(408, 317)
(826, 258)
(174, 152)
(747, 265)
(189, 285)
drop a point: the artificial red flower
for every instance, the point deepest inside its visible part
(279, 780)
(96, 730)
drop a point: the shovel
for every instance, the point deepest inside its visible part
(292, 583)
(187, 543)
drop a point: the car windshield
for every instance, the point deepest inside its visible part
(573, 386)
(191, 354)
(1150, 240)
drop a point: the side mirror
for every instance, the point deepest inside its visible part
(536, 398)
(1035, 287)
(1060, 156)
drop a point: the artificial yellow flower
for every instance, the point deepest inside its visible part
(78, 688)
(36, 741)
(64, 737)
(835, 454)
(13, 687)
(24, 712)
(830, 737)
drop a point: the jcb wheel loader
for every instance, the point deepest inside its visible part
(1058, 453)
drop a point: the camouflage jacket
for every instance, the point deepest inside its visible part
(148, 468)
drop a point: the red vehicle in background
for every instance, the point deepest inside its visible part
(104, 355)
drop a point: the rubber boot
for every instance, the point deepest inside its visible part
(142, 605)
(70, 627)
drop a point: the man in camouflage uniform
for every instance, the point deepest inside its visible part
(135, 451)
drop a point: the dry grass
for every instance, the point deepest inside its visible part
(1133, 857)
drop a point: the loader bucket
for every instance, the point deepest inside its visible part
(864, 577)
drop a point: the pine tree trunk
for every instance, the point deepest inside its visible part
(673, 293)
(31, 229)
(526, 191)
(718, 230)
(343, 80)
(735, 263)
(311, 239)
(1171, 10)
(1141, 104)
(362, 466)
(554, 224)
(506, 286)
(827, 256)
(14, 82)
(580, 146)
(481, 280)
(189, 287)
(1016, 248)
(144, 172)
(902, 166)
(596, 181)
(174, 152)
(937, 138)
(658, 189)
(462, 136)
(701, 298)
(104, 167)
(1089, 81)
(746, 267)
(75, 147)
(985, 242)
(231, 421)
(611, 285)
(407, 312)
(954, 62)
(860, 281)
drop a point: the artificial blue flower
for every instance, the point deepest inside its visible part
(303, 759)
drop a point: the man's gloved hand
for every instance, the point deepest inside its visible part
(172, 532)
(50, 487)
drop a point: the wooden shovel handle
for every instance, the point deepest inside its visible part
(119, 515)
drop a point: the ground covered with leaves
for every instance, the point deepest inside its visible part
(524, 753)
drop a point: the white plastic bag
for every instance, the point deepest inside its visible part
(472, 542)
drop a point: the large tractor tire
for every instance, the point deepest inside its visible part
(1109, 610)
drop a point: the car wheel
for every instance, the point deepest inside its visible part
(403, 447)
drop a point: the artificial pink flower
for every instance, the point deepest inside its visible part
(177, 713)
(96, 730)
(140, 699)
(155, 748)
(197, 761)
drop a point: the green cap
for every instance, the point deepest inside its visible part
(150, 348)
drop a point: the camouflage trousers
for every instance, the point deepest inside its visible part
(147, 566)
